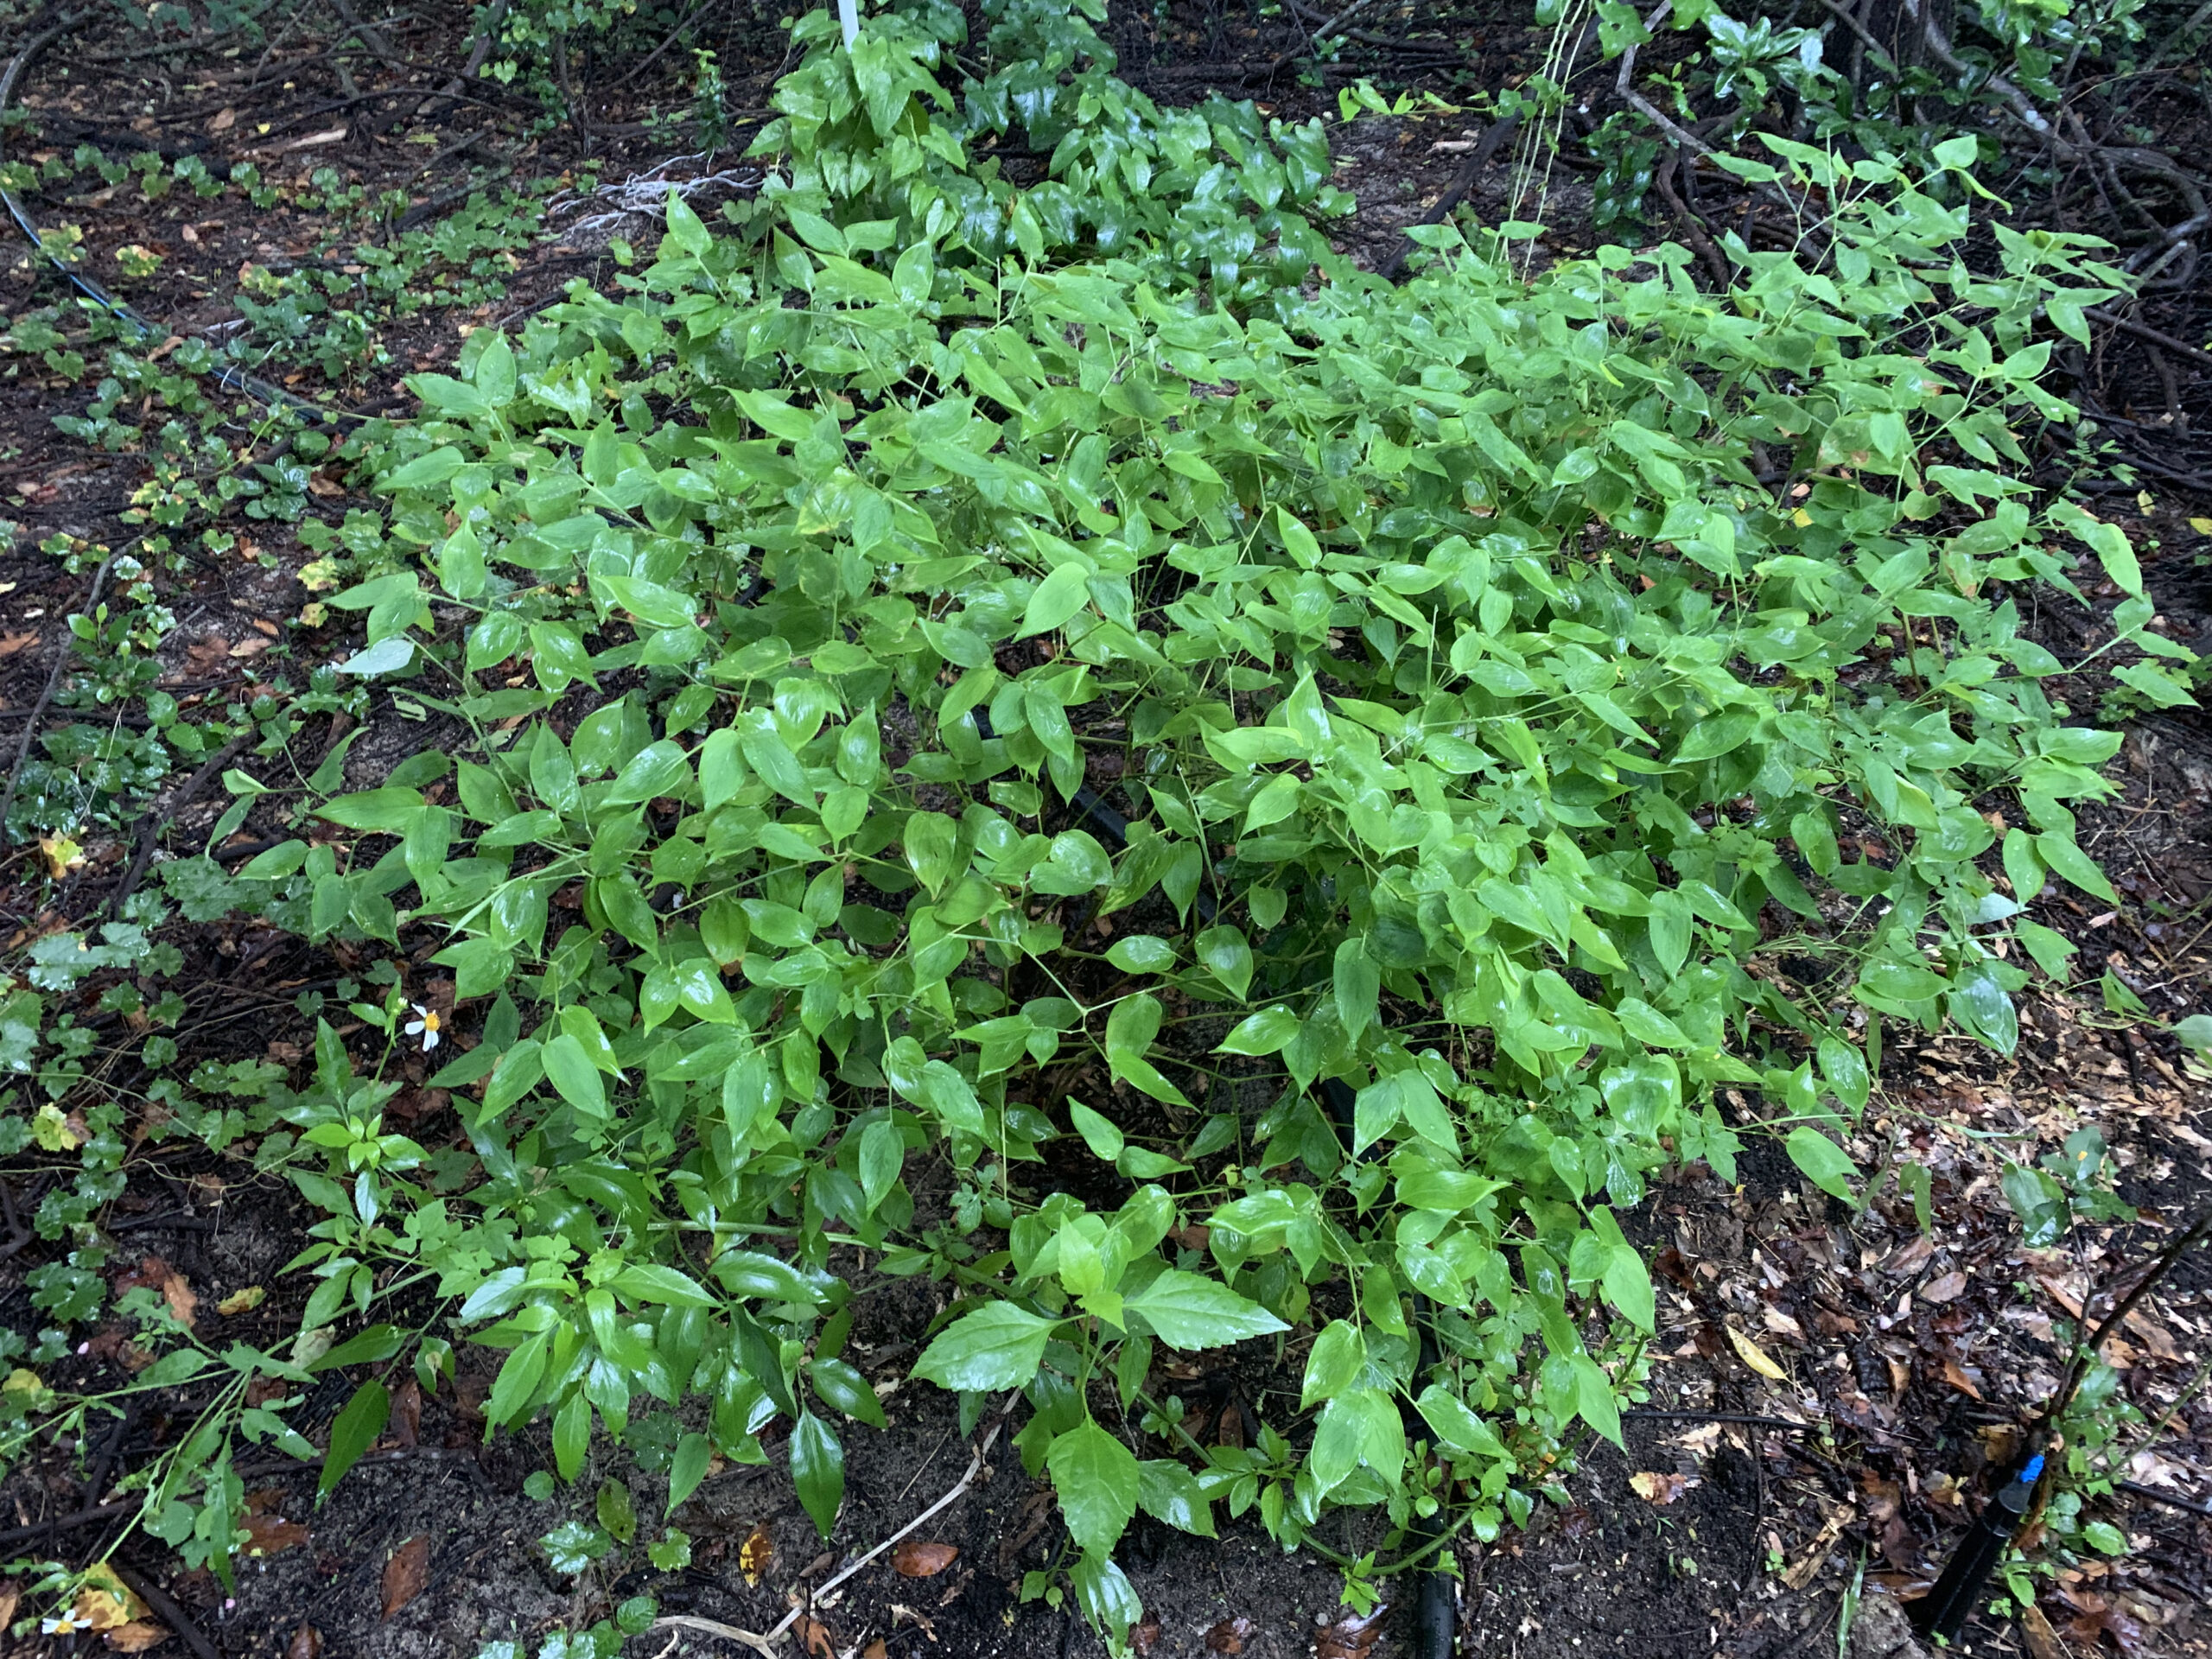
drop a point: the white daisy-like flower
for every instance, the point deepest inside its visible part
(424, 1025)
(62, 1624)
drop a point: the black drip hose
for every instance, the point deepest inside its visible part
(234, 379)
(1436, 1616)
(1436, 1613)
(1109, 823)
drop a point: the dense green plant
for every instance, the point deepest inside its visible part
(1493, 684)
(1479, 717)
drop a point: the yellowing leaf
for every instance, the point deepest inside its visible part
(2201, 526)
(62, 856)
(1754, 1356)
(241, 1302)
(105, 1603)
(52, 1130)
(1661, 1489)
(755, 1554)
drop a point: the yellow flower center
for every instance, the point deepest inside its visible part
(429, 1019)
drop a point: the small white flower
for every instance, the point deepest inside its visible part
(424, 1025)
(62, 1624)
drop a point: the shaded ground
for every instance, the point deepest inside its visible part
(1907, 1360)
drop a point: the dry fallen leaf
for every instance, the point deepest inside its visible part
(1654, 1488)
(816, 1637)
(755, 1554)
(106, 1602)
(223, 121)
(269, 1535)
(1944, 1289)
(138, 1635)
(875, 1649)
(1144, 1635)
(178, 1295)
(407, 1573)
(1808, 1568)
(306, 1643)
(10, 1594)
(1753, 1356)
(1350, 1637)
(1909, 1257)
(916, 1559)
(1959, 1378)
(1229, 1636)
(407, 1412)
(12, 642)
(2043, 1641)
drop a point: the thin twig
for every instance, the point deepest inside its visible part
(1722, 1417)
(2157, 337)
(766, 1645)
(371, 37)
(150, 822)
(2079, 1367)
(46, 696)
(651, 57)
(171, 1615)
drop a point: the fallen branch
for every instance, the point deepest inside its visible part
(2157, 337)
(164, 1604)
(1681, 136)
(371, 36)
(53, 680)
(1456, 192)
(1692, 226)
(150, 822)
(2078, 1368)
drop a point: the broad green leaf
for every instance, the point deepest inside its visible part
(573, 1073)
(352, 1431)
(842, 1387)
(1057, 598)
(1099, 1132)
(883, 1155)
(1333, 1365)
(1261, 1033)
(687, 1468)
(818, 1470)
(1825, 1164)
(1096, 1479)
(997, 1346)
(1192, 1311)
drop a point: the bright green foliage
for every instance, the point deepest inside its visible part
(1481, 713)
(1480, 710)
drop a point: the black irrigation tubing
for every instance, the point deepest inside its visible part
(2171, 1500)
(1436, 1613)
(231, 378)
